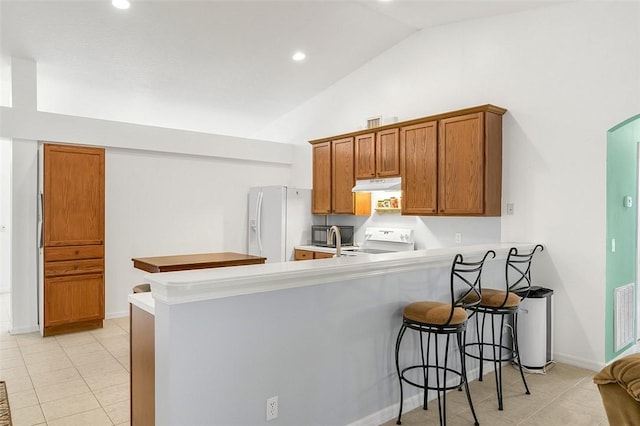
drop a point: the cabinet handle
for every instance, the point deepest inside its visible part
(77, 251)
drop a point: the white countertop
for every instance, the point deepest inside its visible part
(143, 301)
(204, 284)
(345, 249)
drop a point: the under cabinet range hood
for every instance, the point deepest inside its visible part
(370, 185)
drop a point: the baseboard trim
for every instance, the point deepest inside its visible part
(114, 315)
(24, 330)
(578, 362)
(415, 401)
(390, 412)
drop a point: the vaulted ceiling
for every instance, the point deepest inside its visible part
(215, 66)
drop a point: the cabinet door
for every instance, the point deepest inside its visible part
(303, 254)
(73, 195)
(419, 166)
(365, 156)
(387, 153)
(461, 165)
(322, 255)
(322, 178)
(73, 298)
(343, 176)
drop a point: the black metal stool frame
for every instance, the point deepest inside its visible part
(518, 265)
(459, 272)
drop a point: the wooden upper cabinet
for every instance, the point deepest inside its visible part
(377, 154)
(343, 176)
(470, 164)
(450, 163)
(365, 151)
(74, 196)
(388, 153)
(333, 179)
(321, 178)
(419, 166)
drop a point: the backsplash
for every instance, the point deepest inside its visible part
(429, 231)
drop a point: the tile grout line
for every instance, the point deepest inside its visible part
(535, 413)
(75, 367)
(33, 386)
(106, 349)
(85, 382)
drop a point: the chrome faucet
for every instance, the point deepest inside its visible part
(334, 232)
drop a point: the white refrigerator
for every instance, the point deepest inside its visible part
(279, 219)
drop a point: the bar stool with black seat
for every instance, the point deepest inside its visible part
(436, 319)
(502, 305)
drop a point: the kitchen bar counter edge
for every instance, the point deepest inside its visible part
(205, 284)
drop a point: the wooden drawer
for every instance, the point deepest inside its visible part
(322, 255)
(54, 254)
(73, 267)
(304, 255)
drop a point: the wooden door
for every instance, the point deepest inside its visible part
(343, 176)
(365, 163)
(73, 196)
(388, 153)
(321, 178)
(419, 167)
(461, 165)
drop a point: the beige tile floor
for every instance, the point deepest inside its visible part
(566, 395)
(74, 379)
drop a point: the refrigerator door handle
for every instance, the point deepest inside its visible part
(259, 221)
(41, 220)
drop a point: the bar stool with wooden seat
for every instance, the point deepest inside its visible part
(502, 304)
(436, 319)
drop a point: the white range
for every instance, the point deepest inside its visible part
(384, 240)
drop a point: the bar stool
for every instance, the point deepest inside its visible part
(440, 318)
(502, 305)
(142, 288)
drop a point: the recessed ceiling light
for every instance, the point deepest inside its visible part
(298, 56)
(121, 4)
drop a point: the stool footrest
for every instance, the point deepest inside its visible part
(438, 370)
(487, 354)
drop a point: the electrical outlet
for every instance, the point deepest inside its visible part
(509, 208)
(272, 408)
(458, 237)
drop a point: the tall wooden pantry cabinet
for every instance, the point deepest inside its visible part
(73, 238)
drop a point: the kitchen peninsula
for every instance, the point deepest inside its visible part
(315, 334)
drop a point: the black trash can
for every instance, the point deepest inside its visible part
(535, 331)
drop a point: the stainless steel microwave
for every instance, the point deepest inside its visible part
(320, 235)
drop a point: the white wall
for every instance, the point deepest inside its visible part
(156, 204)
(165, 191)
(566, 74)
(161, 204)
(5, 215)
(24, 249)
